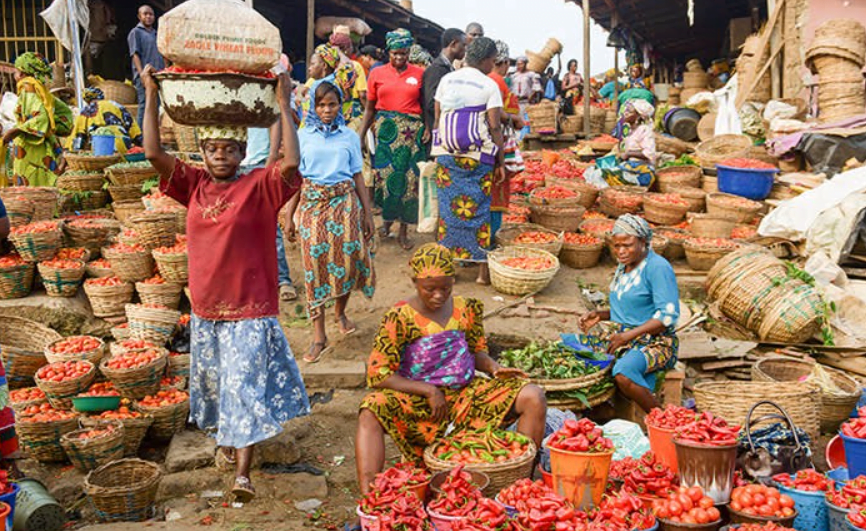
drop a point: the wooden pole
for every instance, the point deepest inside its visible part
(586, 70)
(615, 77)
(311, 29)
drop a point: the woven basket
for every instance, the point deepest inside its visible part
(732, 400)
(506, 236)
(130, 267)
(127, 209)
(743, 282)
(139, 382)
(38, 246)
(573, 384)
(710, 184)
(542, 116)
(118, 347)
(20, 407)
(61, 282)
(186, 138)
(89, 163)
(674, 249)
(721, 147)
(22, 345)
(740, 214)
(711, 226)
(123, 193)
(120, 176)
(581, 256)
(513, 281)
(689, 176)
(94, 355)
(570, 125)
(178, 365)
(662, 213)
(501, 475)
(167, 420)
(93, 452)
(590, 227)
(155, 229)
(121, 333)
(44, 199)
(117, 91)
(151, 324)
(93, 238)
(167, 294)
(560, 219)
(793, 315)
(127, 237)
(576, 404)
(87, 201)
(16, 281)
(702, 258)
(87, 182)
(173, 267)
(670, 144)
(602, 146)
(564, 202)
(19, 210)
(609, 205)
(42, 439)
(133, 430)
(109, 301)
(95, 271)
(60, 394)
(834, 408)
(659, 245)
(124, 490)
(695, 197)
(695, 80)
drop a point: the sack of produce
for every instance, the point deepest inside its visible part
(219, 35)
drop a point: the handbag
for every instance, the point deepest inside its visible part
(775, 449)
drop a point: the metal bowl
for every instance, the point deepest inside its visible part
(220, 99)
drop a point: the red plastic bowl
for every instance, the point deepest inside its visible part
(835, 453)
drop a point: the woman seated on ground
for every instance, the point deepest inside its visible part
(644, 308)
(422, 369)
(102, 116)
(637, 149)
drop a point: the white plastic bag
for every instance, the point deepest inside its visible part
(628, 439)
(57, 17)
(7, 110)
(428, 199)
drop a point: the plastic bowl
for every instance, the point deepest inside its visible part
(738, 517)
(134, 157)
(480, 480)
(746, 182)
(95, 403)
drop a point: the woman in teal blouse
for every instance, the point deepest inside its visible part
(644, 304)
(336, 220)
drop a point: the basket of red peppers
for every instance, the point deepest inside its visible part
(394, 498)
(457, 497)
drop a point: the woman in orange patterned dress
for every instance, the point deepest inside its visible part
(422, 369)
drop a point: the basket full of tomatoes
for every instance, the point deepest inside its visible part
(62, 380)
(16, 277)
(108, 295)
(521, 270)
(90, 448)
(169, 408)
(135, 426)
(39, 429)
(21, 399)
(136, 373)
(74, 348)
(530, 235)
(37, 241)
(581, 251)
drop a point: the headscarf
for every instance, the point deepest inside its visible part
(432, 260)
(35, 65)
(642, 108)
(313, 121)
(522, 59)
(632, 225)
(341, 40)
(329, 54)
(399, 39)
(502, 50)
(419, 56)
(93, 94)
(211, 132)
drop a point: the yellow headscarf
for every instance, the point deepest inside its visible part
(431, 261)
(212, 132)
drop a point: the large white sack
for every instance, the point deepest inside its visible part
(219, 35)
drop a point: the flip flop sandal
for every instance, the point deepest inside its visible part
(326, 349)
(342, 324)
(243, 490)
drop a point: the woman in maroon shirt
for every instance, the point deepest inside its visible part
(394, 101)
(244, 382)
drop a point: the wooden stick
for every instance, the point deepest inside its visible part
(764, 40)
(512, 304)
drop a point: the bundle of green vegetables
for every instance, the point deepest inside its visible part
(550, 361)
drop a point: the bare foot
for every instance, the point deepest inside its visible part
(316, 351)
(347, 327)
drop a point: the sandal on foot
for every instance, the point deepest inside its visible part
(288, 293)
(347, 327)
(309, 357)
(223, 460)
(243, 490)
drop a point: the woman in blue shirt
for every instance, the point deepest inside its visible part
(336, 220)
(644, 306)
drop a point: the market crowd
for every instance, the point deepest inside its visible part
(351, 144)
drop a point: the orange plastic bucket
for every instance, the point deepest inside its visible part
(580, 477)
(662, 445)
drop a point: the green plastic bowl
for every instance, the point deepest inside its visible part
(134, 157)
(95, 403)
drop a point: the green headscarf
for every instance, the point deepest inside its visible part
(399, 39)
(34, 64)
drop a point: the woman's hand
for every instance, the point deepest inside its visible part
(284, 89)
(425, 136)
(508, 373)
(438, 405)
(617, 341)
(291, 229)
(588, 320)
(147, 79)
(368, 226)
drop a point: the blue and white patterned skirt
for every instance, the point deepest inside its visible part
(244, 382)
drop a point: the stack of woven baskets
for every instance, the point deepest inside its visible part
(695, 80)
(543, 117)
(748, 65)
(758, 291)
(837, 55)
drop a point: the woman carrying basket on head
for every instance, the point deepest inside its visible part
(244, 382)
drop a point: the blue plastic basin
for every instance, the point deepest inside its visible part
(749, 183)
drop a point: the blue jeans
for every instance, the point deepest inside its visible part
(282, 264)
(142, 97)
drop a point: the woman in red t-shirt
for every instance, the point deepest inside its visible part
(394, 102)
(243, 382)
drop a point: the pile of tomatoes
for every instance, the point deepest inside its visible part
(528, 263)
(131, 344)
(743, 232)
(526, 181)
(580, 436)
(597, 227)
(593, 214)
(554, 193)
(535, 236)
(687, 505)
(809, 480)
(719, 243)
(101, 389)
(124, 248)
(623, 199)
(101, 263)
(458, 496)
(566, 170)
(106, 282)
(11, 260)
(608, 139)
(27, 394)
(133, 359)
(709, 430)
(852, 493)
(734, 201)
(761, 500)
(769, 526)
(522, 490)
(121, 413)
(515, 218)
(670, 199)
(76, 345)
(63, 371)
(89, 223)
(57, 263)
(165, 397)
(747, 164)
(96, 432)
(71, 253)
(585, 240)
(155, 279)
(171, 381)
(672, 234)
(44, 413)
(36, 227)
(177, 248)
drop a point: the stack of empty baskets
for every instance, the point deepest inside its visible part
(837, 55)
(748, 65)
